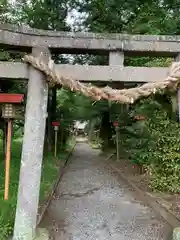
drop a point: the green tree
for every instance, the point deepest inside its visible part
(47, 15)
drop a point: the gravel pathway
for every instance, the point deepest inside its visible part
(93, 203)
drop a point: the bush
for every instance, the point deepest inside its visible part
(155, 145)
(164, 157)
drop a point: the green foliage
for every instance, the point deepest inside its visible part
(8, 208)
(164, 155)
(42, 14)
(50, 170)
(137, 16)
(4, 10)
(154, 143)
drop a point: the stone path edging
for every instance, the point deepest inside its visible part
(61, 173)
(170, 218)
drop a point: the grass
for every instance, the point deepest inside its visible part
(50, 172)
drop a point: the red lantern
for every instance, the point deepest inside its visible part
(11, 98)
(116, 124)
(55, 123)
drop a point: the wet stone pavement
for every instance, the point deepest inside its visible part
(93, 203)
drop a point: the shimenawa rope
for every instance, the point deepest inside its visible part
(123, 96)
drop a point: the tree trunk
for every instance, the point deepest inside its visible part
(48, 123)
(90, 132)
(54, 103)
(53, 111)
(51, 116)
(106, 131)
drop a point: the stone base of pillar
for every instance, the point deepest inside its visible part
(42, 234)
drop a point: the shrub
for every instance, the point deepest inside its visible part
(164, 157)
(155, 144)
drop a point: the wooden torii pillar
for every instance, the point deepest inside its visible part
(32, 152)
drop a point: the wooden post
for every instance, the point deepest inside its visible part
(8, 158)
(55, 145)
(32, 151)
(56, 128)
(62, 136)
(4, 139)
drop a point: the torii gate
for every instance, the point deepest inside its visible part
(40, 42)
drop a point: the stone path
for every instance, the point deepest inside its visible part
(93, 203)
